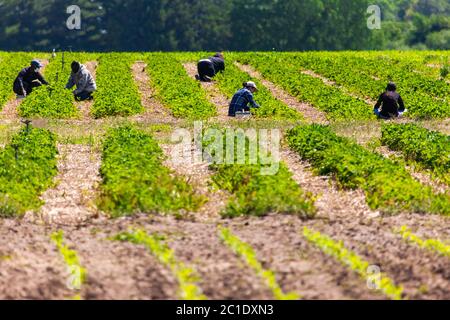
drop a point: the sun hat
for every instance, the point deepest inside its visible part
(251, 84)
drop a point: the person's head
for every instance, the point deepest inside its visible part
(219, 55)
(391, 87)
(75, 66)
(251, 86)
(36, 65)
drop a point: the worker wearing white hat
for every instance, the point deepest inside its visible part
(243, 99)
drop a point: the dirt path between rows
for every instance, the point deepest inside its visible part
(331, 83)
(71, 202)
(213, 94)
(154, 109)
(10, 109)
(85, 107)
(309, 112)
(344, 215)
(199, 176)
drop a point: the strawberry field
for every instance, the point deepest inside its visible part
(94, 205)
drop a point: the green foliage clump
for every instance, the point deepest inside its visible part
(117, 94)
(280, 69)
(135, 179)
(181, 94)
(430, 148)
(256, 193)
(186, 276)
(54, 100)
(388, 186)
(27, 168)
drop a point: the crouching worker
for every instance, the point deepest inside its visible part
(29, 78)
(208, 68)
(82, 78)
(243, 100)
(391, 104)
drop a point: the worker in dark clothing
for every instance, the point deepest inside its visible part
(28, 79)
(391, 104)
(243, 100)
(208, 68)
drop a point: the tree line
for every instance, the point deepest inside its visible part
(169, 25)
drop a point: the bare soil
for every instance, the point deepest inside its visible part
(154, 109)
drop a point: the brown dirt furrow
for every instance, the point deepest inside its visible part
(346, 216)
(10, 109)
(213, 94)
(86, 106)
(223, 275)
(421, 176)
(298, 266)
(154, 109)
(71, 202)
(30, 267)
(199, 175)
(309, 112)
(334, 84)
(119, 270)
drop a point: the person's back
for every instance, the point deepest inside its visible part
(243, 99)
(391, 103)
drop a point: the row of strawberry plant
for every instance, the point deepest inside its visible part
(117, 94)
(54, 101)
(388, 186)
(135, 179)
(280, 70)
(232, 79)
(367, 76)
(27, 168)
(186, 276)
(259, 183)
(433, 245)
(430, 148)
(11, 64)
(178, 92)
(245, 251)
(349, 258)
(77, 272)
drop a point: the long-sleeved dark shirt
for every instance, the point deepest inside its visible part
(28, 75)
(241, 101)
(219, 63)
(391, 103)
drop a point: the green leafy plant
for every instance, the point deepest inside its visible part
(186, 276)
(135, 179)
(430, 148)
(181, 94)
(117, 94)
(388, 186)
(434, 245)
(283, 70)
(27, 168)
(245, 251)
(78, 274)
(348, 258)
(255, 193)
(54, 100)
